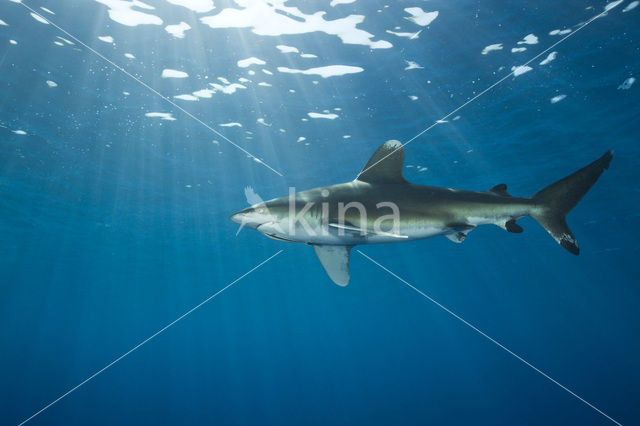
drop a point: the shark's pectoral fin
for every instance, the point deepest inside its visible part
(335, 261)
(385, 166)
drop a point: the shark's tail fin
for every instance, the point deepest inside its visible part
(557, 199)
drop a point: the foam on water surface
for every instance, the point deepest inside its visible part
(198, 6)
(123, 12)
(324, 72)
(162, 115)
(39, 18)
(420, 17)
(178, 30)
(411, 65)
(287, 49)
(276, 19)
(171, 73)
(328, 116)
(491, 48)
(244, 63)
(520, 69)
(550, 57)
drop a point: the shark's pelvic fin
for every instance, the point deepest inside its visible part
(385, 166)
(557, 199)
(456, 237)
(335, 261)
(459, 231)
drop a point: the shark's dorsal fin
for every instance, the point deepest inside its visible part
(385, 166)
(335, 261)
(500, 189)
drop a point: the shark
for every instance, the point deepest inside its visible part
(381, 206)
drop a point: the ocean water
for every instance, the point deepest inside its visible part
(114, 220)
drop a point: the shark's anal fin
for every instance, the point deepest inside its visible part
(512, 226)
(385, 166)
(335, 261)
(500, 189)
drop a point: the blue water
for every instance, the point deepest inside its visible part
(113, 224)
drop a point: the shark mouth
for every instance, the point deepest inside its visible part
(272, 236)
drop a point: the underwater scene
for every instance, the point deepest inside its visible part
(319, 212)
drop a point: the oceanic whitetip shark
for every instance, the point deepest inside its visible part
(380, 206)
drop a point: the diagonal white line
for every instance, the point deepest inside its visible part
(492, 340)
(152, 90)
(124, 355)
(488, 88)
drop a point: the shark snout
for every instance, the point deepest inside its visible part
(243, 217)
(237, 217)
(251, 217)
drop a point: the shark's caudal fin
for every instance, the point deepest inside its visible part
(559, 198)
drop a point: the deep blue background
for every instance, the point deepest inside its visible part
(113, 224)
